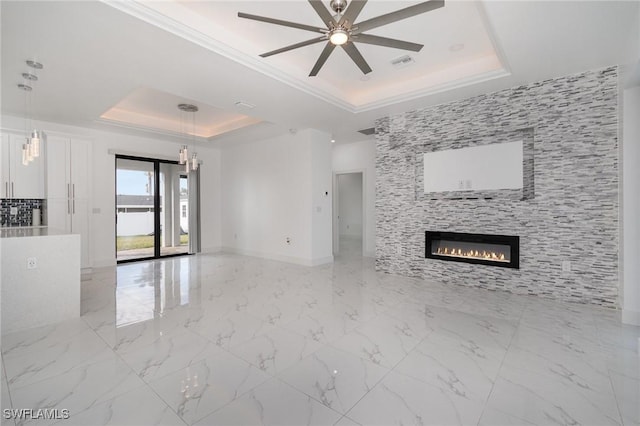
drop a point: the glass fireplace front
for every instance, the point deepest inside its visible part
(496, 250)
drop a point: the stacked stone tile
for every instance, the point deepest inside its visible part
(568, 208)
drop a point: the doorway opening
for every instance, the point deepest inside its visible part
(154, 203)
(348, 218)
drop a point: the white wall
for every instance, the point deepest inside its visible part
(321, 241)
(350, 204)
(631, 206)
(272, 190)
(361, 156)
(103, 182)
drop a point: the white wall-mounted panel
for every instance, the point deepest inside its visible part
(486, 167)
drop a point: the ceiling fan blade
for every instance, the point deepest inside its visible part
(322, 59)
(352, 12)
(355, 55)
(398, 15)
(387, 42)
(281, 22)
(294, 46)
(323, 12)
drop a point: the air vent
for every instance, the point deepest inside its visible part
(370, 131)
(402, 61)
(243, 104)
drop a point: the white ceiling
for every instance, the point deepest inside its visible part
(99, 55)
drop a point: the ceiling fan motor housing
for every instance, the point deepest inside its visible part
(338, 5)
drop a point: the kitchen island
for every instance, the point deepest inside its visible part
(40, 277)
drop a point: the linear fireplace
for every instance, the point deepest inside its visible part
(494, 250)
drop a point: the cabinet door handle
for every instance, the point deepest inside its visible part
(74, 190)
(74, 206)
(12, 193)
(68, 190)
(69, 206)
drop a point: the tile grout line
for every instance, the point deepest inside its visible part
(515, 331)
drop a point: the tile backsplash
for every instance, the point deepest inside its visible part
(24, 211)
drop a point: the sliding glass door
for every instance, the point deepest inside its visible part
(155, 203)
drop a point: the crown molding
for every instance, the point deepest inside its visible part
(140, 11)
(157, 19)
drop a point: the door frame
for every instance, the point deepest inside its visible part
(336, 208)
(156, 207)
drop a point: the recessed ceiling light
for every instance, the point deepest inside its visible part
(456, 47)
(29, 76)
(24, 87)
(333, 141)
(34, 64)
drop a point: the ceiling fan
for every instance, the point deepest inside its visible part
(343, 31)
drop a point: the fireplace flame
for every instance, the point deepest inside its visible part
(472, 254)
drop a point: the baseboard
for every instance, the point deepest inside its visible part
(321, 261)
(101, 263)
(278, 257)
(630, 317)
(217, 249)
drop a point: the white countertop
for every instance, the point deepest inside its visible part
(30, 231)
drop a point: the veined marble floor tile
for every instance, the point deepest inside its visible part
(140, 406)
(493, 417)
(323, 327)
(453, 349)
(461, 367)
(627, 391)
(32, 366)
(168, 354)
(543, 399)
(207, 385)
(127, 338)
(232, 329)
(78, 389)
(333, 377)
(584, 373)
(557, 343)
(346, 421)
(276, 351)
(485, 331)
(614, 336)
(399, 400)
(5, 398)
(273, 403)
(42, 338)
(384, 340)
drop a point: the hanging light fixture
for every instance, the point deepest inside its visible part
(190, 163)
(30, 149)
(27, 151)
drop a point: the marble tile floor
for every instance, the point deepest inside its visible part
(231, 340)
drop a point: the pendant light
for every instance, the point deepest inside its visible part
(27, 151)
(190, 163)
(30, 149)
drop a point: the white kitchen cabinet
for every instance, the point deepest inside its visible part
(18, 180)
(68, 190)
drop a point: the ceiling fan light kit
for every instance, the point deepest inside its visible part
(342, 30)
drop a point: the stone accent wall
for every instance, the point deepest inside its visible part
(24, 208)
(568, 213)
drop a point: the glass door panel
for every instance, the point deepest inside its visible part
(135, 209)
(174, 210)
